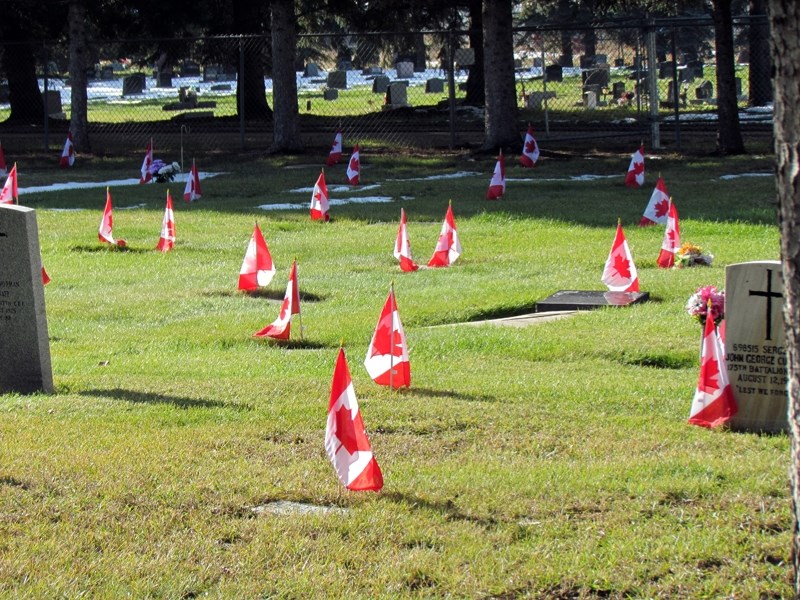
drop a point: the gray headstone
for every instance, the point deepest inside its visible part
(754, 345)
(464, 57)
(590, 100)
(601, 59)
(372, 71)
(189, 69)
(337, 80)
(397, 94)
(619, 62)
(379, 84)
(618, 90)
(704, 91)
(330, 94)
(554, 73)
(133, 84)
(598, 75)
(589, 300)
(311, 70)
(434, 86)
(53, 100)
(24, 345)
(537, 62)
(404, 70)
(107, 73)
(165, 79)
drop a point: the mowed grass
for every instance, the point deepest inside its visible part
(547, 461)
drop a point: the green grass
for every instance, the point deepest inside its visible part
(550, 461)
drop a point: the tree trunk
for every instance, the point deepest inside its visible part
(785, 46)
(566, 59)
(475, 80)
(729, 135)
(286, 134)
(500, 117)
(251, 92)
(78, 59)
(760, 64)
(24, 95)
(589, 42)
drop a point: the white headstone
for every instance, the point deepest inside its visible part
(754, 345)
(24, 345)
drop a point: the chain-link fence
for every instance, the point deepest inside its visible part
(649, 80)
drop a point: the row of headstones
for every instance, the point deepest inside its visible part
(754, 339)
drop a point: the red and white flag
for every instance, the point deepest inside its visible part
(530, 150)
(167, 240)
(335, 155)
(635, 175)
(147, 177)
(402, 246)
(3, 165)
(319, 200)
(387, 357)
(713, 402)
(68, 153)
(257, 268)
(280, 328)
(192, 190)
(497, 186)
(619, 273)
(448, 247)
(9, 192)
(346, 441)
(672, 239)
(354, 166)
(658, 207)
(105, 233)
(45, 277)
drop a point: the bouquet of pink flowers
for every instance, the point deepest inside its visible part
(698, 304)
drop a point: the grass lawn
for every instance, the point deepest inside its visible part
(553, 461)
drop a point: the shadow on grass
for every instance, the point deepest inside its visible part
(176, 401)
(447, 509)
(429, 393)
(109, 248)
(13, 482)
(501, 312)
(262, 293)
(294, 344)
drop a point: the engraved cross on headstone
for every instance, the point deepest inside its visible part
(769, 295)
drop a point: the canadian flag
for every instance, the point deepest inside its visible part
(335, 155)
(354, 166)
(319, 200)
(192, 190)
(713, 402)
(635, 175)
(448, 248)
(658, 207)
(9, 192)
(147, 177)
(619, 273)
(106, 224)
(530, 150)
(3, 166)
(402, 246)
(346, 441)
(68, 153)
(280, 328)
(497, 186)
(257, 268)
(672, 239)
(45, 277)
(387, 357)
(167, 240)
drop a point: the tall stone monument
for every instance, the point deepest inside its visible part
(24, 345)
(754, 345)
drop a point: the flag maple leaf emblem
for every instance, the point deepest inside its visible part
(709, 376)
(350, 432)
(530, 146)
(672, 236)
(661, 207)
(638, 168)
(622, 266)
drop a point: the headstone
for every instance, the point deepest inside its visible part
(554, 73)
(704, 91)
(537, 63)
(618, 90)
(434, 86)
(404, 70)
(345, 65)
(337, 80)
(311, 70)
(464, 57)
(372, 71)
(665, 69)
(397, 94)
(590, 100)
(107, 73)
(599, 75)
(600, 59)
(589, 300)
(24, 346)
(189, 69)
(619, 62)
(754, 345)
(211, 72)
(53, 101)
(587, 62)
(133, 84)
(379, 84)
(330, 94)
(685, 74)
(165, 79)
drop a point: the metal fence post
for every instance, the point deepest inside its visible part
(451, 86)
(544, 90)
(652, 86)
(676, 93)
(46, 107)
(241, 91)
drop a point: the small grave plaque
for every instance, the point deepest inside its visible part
(337, 80)
(589, 300)
(754, 345)
(434, 86)
(24, 345)
(133, 84)
(404, 70)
